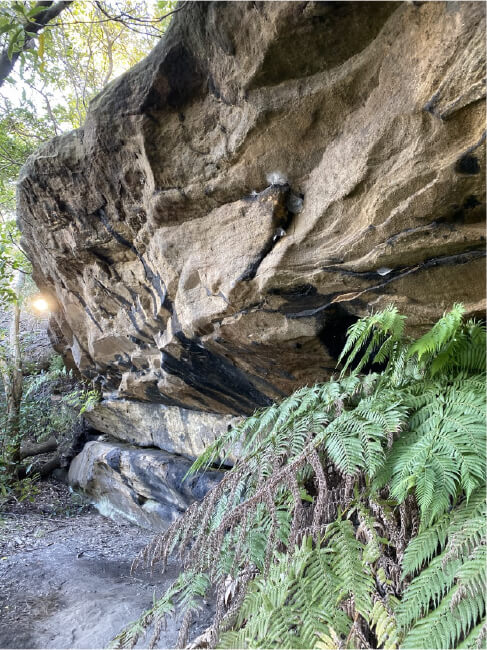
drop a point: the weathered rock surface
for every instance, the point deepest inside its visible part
(144, 486)
(175, 430)
(183, 274)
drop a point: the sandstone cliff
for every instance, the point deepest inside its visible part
(270, 173)
(185, 272)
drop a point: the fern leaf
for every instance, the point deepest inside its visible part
(374, 331)
(477, 638)
(347, 564)
(384, 623)
(425, 545)
(441, 629)
(440, 334)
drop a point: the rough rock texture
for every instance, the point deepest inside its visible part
(178, 431)
(182, 273)
(135, 471)
(144, 486)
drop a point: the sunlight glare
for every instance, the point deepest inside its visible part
(40, 304)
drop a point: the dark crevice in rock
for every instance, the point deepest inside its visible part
(467, 164)
(153, 278)
(333, 332)
(101, 214)
(282, 218)
(87, 309)
(178, 79)
(158, 284)
(427, 229)
(395, 274)
(113, 459)
(116, 296)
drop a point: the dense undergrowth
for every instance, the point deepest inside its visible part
(50, 408)
(355, 516)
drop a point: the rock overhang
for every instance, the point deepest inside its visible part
(182, 277)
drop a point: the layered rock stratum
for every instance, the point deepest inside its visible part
(271, 172)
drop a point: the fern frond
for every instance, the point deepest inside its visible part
(440, 629)
(446, 599)
(346, 563)
(383, 622)
(445, 451)
(427, 588)
(471, 577)
(425, 545)
(440, 334)
(477, 638)
(292, 606)
(379, 332)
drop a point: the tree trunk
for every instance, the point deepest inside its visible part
(11, 369)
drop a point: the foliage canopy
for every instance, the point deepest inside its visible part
(62, 66)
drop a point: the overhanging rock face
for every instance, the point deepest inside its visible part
(271, 172)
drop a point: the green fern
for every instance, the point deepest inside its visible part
(355, 515)
(293, 605)
(443, 628)
(443, 332)
(451, 344)
(453, 584)
(382, 333)
(422, 548)
(384, 624)
(477, 637)
(356, 582)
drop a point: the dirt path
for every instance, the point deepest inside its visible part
(65, 576)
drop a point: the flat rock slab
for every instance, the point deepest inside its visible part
(66, 583)
(170, 428)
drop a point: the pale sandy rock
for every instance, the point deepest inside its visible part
(173, 429)
(182, 278)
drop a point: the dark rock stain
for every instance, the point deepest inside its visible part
(282, 218)
(87, 309)
(177, 80)
(213, 375)
(113, 459)
(333, 333)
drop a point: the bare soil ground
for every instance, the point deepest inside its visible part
(65, 578)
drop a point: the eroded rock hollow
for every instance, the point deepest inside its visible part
(268, 174)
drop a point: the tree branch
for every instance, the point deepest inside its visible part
(36, 448)
(34, 27)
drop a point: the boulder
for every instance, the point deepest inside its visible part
(271, 172)
(144, 486)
